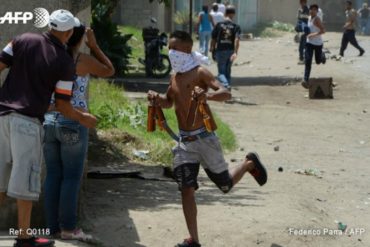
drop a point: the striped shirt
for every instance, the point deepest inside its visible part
(39, 65)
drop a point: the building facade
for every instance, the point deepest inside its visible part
(139, 12)
(286, 11)
(249, 12)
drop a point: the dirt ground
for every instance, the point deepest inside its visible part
(273, 116)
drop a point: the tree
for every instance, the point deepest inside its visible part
(110, 40)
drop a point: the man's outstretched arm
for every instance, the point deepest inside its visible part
(165, 100)
(220, 93)
(6, 57)
(2, 66)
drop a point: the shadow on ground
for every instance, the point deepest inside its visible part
(142, 84)
(264, 81)
(160, 85)
(107, 202)
(276, 245)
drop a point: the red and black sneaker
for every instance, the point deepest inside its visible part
(34, 242)
(259, 172)
(188, 243)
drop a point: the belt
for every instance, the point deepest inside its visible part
(196, 137)
(193, 132)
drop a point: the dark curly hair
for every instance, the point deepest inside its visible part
(78, 34)
(182, 36)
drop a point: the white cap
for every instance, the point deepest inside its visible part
(63, 20)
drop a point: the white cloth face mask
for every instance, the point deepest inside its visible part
(182, 62)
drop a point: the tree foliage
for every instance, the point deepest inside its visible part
(110, 40)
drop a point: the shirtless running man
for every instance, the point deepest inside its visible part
(197, 145)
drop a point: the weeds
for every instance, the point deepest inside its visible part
(272, 29)
(118, 114)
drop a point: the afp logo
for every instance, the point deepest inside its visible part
(40, 17)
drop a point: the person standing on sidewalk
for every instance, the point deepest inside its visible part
(364, 13)
(303, 15)
(221, 7)
(66, 141)
(204, 27)
(314, 43)
(349, 34)
(320, 14)
(225, 45)
(217, 15)
(39, 65)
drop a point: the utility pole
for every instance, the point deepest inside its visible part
(191, 18)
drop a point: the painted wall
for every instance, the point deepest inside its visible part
(286, 11)
(249, 12)
(138, 13)
(246, 10)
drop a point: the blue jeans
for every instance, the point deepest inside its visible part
(302, 46)
(224, 66)
(310, 49)
(204, 38)
(363, 25)
(65, 147)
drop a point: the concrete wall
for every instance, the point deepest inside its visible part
(246, 10)
(249, 12)
(81, 8)
(286, 11)
(138, 13)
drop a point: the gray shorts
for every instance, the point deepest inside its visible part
(206, 152)
(20, 156)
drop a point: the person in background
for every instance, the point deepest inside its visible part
(225, 45)
(204, 27)
(303, 15)
(39, 65)
(221, 7)
(66, 141)
(349, 34)
(217, 16)
(364, 14)
(320, 14)
(314, 43)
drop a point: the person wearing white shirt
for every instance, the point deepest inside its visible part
(314, 43)
(216, 14)
(320, 14)
(221, 8)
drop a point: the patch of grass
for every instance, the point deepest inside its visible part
(116, 113)
(272, 29)
(136, 42)
(138, 51)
